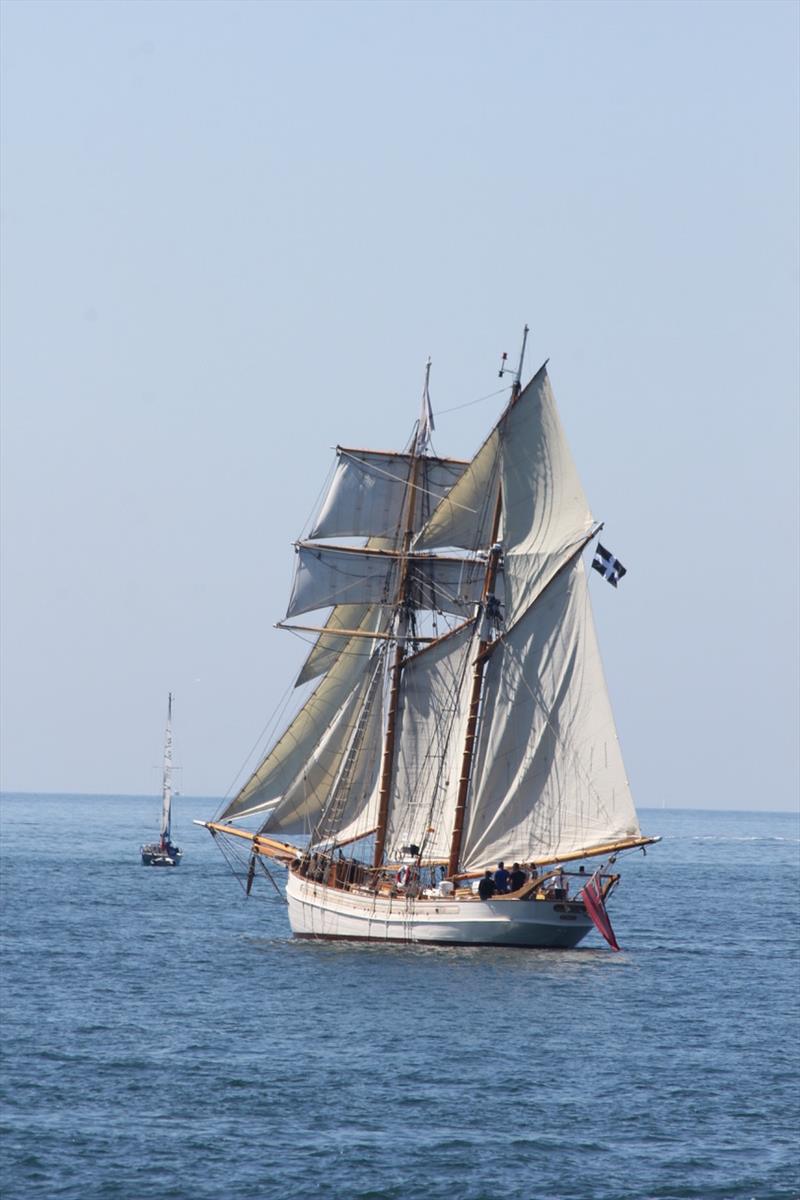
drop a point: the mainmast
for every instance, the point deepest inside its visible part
(490, 615)
(166, 777)
(403, 615)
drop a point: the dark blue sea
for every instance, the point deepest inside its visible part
(162, 1036)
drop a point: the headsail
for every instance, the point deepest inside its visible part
(342, 769)
(288, 757)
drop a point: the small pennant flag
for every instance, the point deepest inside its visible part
(426, 425)
(608, 566)
(595, 906)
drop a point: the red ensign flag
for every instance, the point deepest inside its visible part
(595, 906)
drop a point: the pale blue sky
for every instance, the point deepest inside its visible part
(231, 235)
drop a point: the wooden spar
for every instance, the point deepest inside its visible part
(391, 555)
(474, 707)
(632, 843)
(485, 648)
(357, 837)
(437, 458)
(388, 757)
(348, 633)
(261, 844)
(480, 660)
(399, 655)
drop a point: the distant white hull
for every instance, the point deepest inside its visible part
(317, 911)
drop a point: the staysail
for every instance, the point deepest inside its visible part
(288, 758)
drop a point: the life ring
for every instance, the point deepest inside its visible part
(403, 876)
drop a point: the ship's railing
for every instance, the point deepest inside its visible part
(411, 880)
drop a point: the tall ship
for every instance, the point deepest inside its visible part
(454, 776)
(164, 853)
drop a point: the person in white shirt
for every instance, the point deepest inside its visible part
(559, 884)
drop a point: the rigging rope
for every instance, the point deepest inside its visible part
(440, 412)
(239, 861)
(272, 721)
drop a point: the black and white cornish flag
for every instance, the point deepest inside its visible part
(608, 566)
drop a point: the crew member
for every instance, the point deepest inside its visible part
(487, 887)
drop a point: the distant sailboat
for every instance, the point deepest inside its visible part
(163, 853)
(461, 719)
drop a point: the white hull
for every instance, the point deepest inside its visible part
(318, 911)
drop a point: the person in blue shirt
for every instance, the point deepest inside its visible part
(501, 878)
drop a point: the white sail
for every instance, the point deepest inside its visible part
(548, 777)
(351, 809)
(328, 647)
(166, 777)
(545, 514)
(305, 800)
(430, 744)
(329, 575)
(464, 517)
(368, 493)
(296, 745)
(545, 511)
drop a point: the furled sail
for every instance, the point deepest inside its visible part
(368, 492)
(326, 575)
(285, 761)
(430, 743)
(548, 776)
